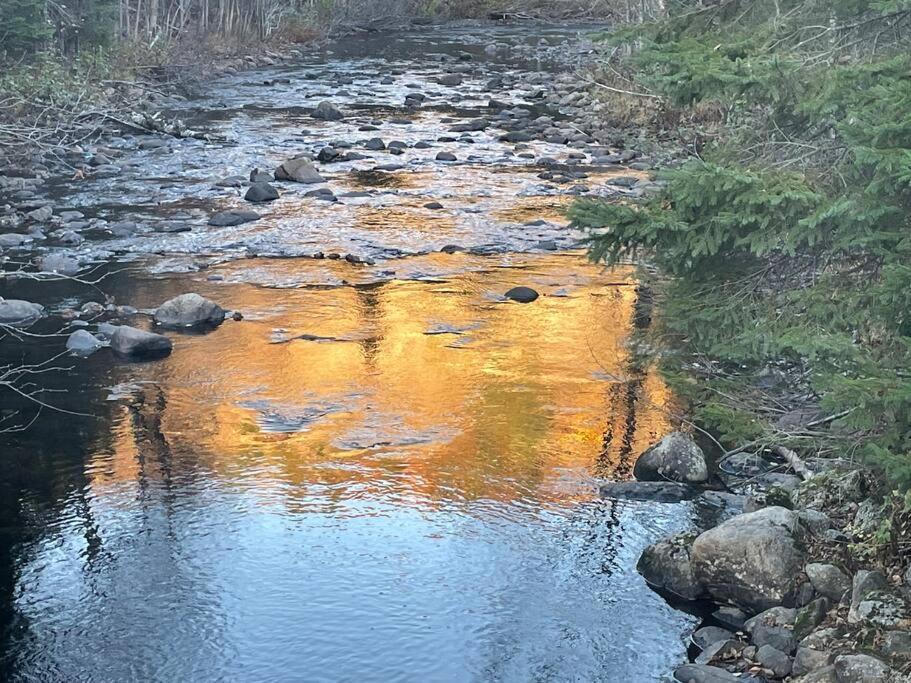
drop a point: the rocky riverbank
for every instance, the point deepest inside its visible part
(789, 595)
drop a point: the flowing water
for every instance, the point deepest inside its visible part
(385, 471)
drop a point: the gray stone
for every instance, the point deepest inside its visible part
(261, 192)
(731, 617)
(776, 661)
(865, 582)
(709, 635)
(807, 659)
(897, 644)
(753, 560)
(41, 214)
(720, 650)
(523, 295)
(136, 343)
(884, 609)
(665, 565)
(816, 522)
(451, 80)
(446, 156)
(326, 111)
(701, 673)
(189, 310)
(651, 491)
(58, 263)
(299, 170)
(828, 580)
(12, 240)
(824, 675)
(675, 458)
(860, 669)
(18, 313)
(225, 219)
(83, 343)
(774, 627)
(809, 617)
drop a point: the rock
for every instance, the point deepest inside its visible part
(807, 659)
(753, 560)
(675, 458)
(451, 80)
(860, 669)
(650, 491)
(58, 263)
(720, 650)
(865, 582)
(257, 176)
(702, 673)
(446, 156)
(731, 617)
(328, 155)
(41, 214)
(516, 136)
(710, 634)
(225, 219)
(11, 240)
(433, 206)
(816, 522)
(261, 192)
(91, 309)
(809, 617)
(524, 295)
(828, 580)
(82, 343)
(189, 310)
(665, 565)
(897, 644)
(135, 343)
(473, 126)
(326, 111)
(375, 144)
(299, 170)
(824, 675)
(18, 313)
(774, 627)
(884, 609)
(106, 330)
(774, 660)
(821, 639)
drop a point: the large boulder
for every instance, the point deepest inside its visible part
(299, 170)
(189, 310)
(861, 669)
(19, 313)
(675, 458)
(135, 343)
(666, 566)
(753, 560)
(326, 111)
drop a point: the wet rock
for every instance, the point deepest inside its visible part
(860, 669)
(721, 650)
(523, 295)
(472, 126)
(774, 627)
(828, 580)
(171, 227)
(375, 144)
(139, 344)
(774, 660)
(675, 458)
(328, 155)
(123, 228)
(451, 248)
(450, 80)
(19, 313)
(83, 343)
(708, 635)
(326, 111)
(41, 214)
(231, 218)
(731, 617)
(446, 156)
(433, 206)
(649, 491)
(516, 136)
(753, 560)
(702, 673)
(666, 566)
(547, 245)
(261, 192)
(231, 181)
(91, 309)
(12, 240)
(299, 170)
(58, 263)
(257, 176)
(189, 310)
(106, 330)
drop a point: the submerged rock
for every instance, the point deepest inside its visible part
(136, 343)
(189, 310)
(675, 458)
(225, 219)
(650, 491)
(753, 560)
(83, 343)
(58, 263)
(523, 295)
(326, 111)
(19, 313)
(299, 170)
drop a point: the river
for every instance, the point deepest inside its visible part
(385, 471)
